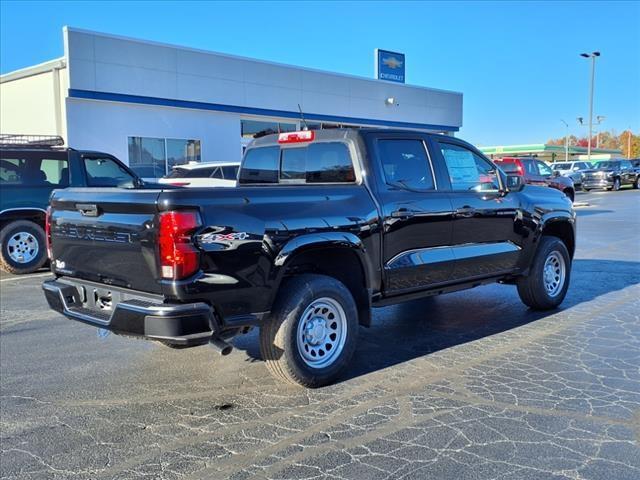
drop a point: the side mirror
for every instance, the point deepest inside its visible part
(556, 173)
(515, 183)
(575, 169)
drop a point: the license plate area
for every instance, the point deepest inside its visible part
(102, 299)
(98, 298)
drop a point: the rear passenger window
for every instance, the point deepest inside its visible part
(230, 173)
(32, 171)
(260, 165)
(405, 164)
(317, 163)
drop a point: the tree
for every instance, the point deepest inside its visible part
(608, 140)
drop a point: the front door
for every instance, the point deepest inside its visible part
(486, 238)
(416, 215)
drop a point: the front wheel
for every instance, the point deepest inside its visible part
(616, 185)
(312, 331)
(569, 193)
(23, 247)
(636, 184)
(546, 285)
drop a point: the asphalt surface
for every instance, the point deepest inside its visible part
(471, 385)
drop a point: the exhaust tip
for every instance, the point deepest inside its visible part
(222, 347)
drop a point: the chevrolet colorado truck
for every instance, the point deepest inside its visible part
(323, 226)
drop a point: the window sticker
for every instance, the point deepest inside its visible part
(462, 166)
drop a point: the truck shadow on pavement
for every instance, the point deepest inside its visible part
(413, 329)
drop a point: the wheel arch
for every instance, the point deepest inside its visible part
(562, 227)
(340, 255)
(33, 214)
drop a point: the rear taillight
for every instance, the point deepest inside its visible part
(47, 230)
(179, 258)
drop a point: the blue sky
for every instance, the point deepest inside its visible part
(517, 63)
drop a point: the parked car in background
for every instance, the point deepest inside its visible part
(208, 174)
(31, 167)
(635, 162)
(536, 172)
(611, 175)
(573, 170)
(307, 244)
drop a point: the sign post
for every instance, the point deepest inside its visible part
(390, 66)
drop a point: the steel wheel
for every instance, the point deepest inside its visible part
(322, 331)
(554, 273)
(22, 247)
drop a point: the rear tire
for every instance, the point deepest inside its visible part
(546, 285)
(636, 184)
(23, 247)
(312, 331)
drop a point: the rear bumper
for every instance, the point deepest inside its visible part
(132, 314)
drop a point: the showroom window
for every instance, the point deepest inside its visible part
(154, 157)
(251, 128)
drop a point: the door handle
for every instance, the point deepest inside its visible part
(465, 211)
(87, 209)
(402, 213)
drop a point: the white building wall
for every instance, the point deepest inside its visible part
(103, 63)
(28, 105)
(106, 126)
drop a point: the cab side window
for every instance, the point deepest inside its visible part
(405, 164)
(105, 172)
(467, 170)
(544, 169)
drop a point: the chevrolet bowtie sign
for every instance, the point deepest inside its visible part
(390, 66)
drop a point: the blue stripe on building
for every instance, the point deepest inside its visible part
(170, 102)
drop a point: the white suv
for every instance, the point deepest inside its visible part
(571, 170)
(208, 174)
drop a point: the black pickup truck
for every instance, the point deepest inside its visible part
(323, 226)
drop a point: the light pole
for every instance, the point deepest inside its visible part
(592, 56)
(566, 141)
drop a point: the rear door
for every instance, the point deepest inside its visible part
(628, 174)
(416, 214)
(486, 239)
(532, 173)
(27, 178)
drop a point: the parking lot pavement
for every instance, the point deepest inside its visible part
(470, 385)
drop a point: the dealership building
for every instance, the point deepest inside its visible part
(154, 105)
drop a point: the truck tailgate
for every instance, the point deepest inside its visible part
(106, 235)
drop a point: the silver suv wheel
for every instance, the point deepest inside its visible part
(22, 247)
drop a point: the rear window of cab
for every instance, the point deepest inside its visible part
(323, 162)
